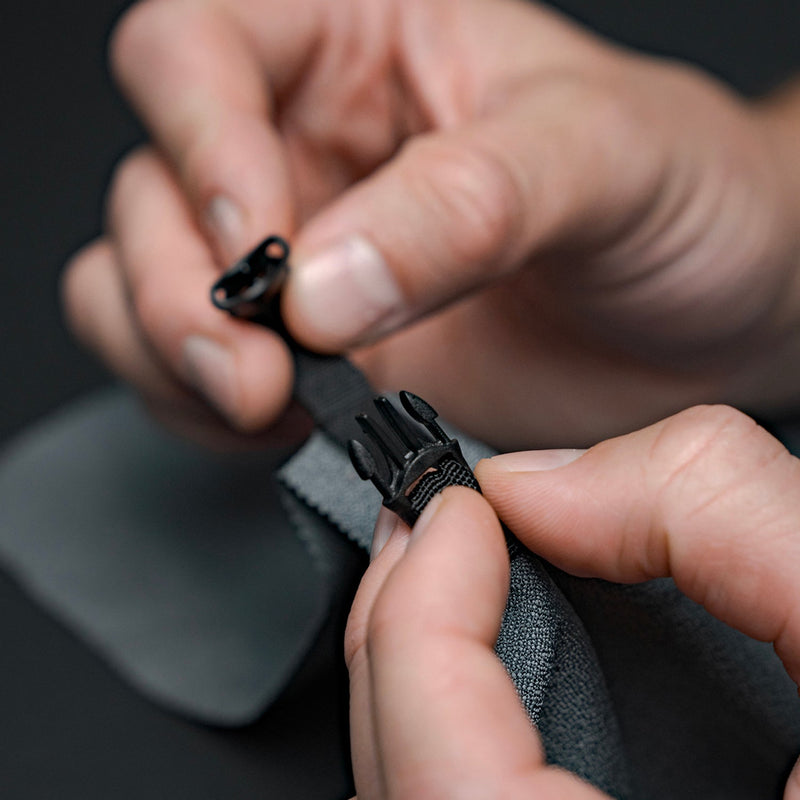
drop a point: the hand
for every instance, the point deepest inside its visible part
(433, 712)
(622, 229)
(706, 497)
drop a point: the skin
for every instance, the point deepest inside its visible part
(705, 496)
(556, 241)
(610, 234)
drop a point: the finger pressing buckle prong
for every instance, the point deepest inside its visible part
(411, 458)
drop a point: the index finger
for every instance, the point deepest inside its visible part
(707, 497)
(203, 89)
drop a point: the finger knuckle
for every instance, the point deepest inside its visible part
(132, 34)
(604, 123)
(126, 180)
(75, 278)
(151, 305)
(205, 165)
(607, 99)
(611, 112)
(473, 191)
(624, 138)
(717, 474)
(154, 29)
(714, 440)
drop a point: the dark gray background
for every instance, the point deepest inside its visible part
(69, 728)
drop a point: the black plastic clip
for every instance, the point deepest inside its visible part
(415, 458)
(251, 288)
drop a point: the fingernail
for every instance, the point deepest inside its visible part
(211, 369)
(348, 291)
(535, 460)
(427, 516)
(384, 527)
(225, 221)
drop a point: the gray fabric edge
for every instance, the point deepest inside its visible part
(176, 565)
(751, 684)
(538, 624)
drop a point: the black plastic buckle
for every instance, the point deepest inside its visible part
(415, 458)
(251, 288)
(412, 459)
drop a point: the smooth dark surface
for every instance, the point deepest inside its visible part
(70, 728)
(63, 128)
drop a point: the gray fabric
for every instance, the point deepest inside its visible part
(704, 710)
(551, 661)
(321, 475)
(542, 643)
(635, 688)
(184, 571)
(177, 565)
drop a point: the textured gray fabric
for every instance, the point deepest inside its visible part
(551, 661)
(183, 570)
(542, 643)
(694, 709)
(704, 710)
(321, 475)
(177, 565)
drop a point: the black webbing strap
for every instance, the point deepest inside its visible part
(408, 457)
(449, 473)
(330, 388)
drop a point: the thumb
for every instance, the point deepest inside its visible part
(456, 210)
(706, 496)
